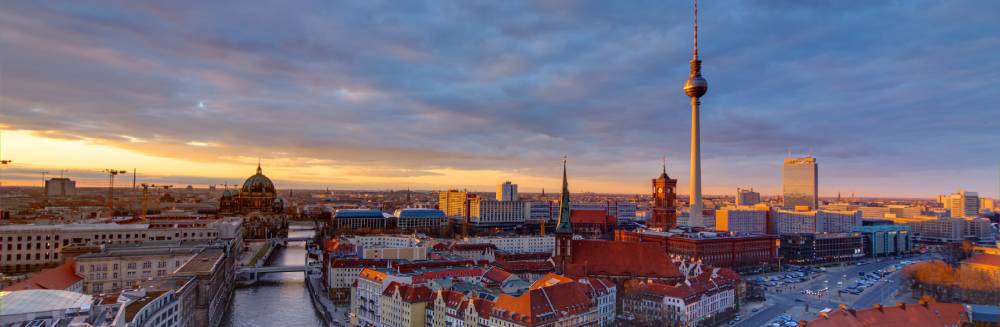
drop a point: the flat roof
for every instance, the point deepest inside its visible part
(203, 262)
(71, 227)
(28, 301)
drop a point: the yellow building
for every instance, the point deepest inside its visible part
(404, 305)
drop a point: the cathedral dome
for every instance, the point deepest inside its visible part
(258, 183)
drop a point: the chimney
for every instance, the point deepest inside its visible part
(825, 315)
(878, 306)
(803, 323)
(902, 305)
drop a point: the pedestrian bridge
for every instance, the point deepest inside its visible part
(271, 269)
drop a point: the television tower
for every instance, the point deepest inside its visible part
(695, 87)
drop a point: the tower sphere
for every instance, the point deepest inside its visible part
(696, 85)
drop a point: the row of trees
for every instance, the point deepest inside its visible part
(943, 281)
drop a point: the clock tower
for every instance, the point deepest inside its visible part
(664, 194)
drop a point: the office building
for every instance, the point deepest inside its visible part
(963, 204)
(507, 191)
(986, 204)
(454, 203)
(746, 197)
(816, 221)
(36, 246)
(929, 229)
(359, 219)
(60, 187)
(742, 219)
(821, 248)
(485, 212)
(800, 183)
(420, 220)
(886, 240)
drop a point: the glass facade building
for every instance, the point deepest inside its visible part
(800, 182)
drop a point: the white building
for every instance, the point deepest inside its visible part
(507, 192)
(742, 219)
(34, 246)
(821, 221)
(518, 244)
(489, 212)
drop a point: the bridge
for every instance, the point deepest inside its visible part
(290, 239)
(271, 269)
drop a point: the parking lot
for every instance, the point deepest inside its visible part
(799, 293)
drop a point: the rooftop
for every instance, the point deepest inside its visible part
(28, 301)
(359, 213)
(204, 262)
(71, 227)
(58, 278)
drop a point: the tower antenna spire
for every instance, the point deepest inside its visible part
(695, 29)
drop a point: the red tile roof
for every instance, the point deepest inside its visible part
(496, 274)
(58, 278)
(930, 314)
(409, 293)
(616, 258)
(691, 291)
(543, 305)
(590, 217)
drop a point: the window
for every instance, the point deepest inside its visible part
(147, 265)
(131, 265)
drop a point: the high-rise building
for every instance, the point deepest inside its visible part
(454, 203)
(963, 204)
(60, 187)
(664, 196)
(800, 183)
(507, 191)
(746, 197)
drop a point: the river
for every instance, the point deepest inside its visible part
(278, 299)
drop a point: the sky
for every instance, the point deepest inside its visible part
(894, 98)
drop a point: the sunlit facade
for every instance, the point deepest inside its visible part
(800, 182)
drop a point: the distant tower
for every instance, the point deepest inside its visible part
(695, 87)
(564, 228)
(664, 196)
(507, 192)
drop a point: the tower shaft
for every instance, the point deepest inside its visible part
(694, 216)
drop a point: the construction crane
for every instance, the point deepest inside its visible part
(165, 188)
(145, 199)
(111, 189)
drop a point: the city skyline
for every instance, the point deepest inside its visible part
(391, 100)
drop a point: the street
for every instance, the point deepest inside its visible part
(788, 299)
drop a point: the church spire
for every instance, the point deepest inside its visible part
(258, 166)
(564, 225)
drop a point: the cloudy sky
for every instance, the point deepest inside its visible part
(894, 98)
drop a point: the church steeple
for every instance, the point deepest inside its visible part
(259, 172)
(564, 225)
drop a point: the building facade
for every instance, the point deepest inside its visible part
(821, 248)
(742, 219)
(886, 240)
(60, 187)
(745, 197)
(800, 183)
(507, 192)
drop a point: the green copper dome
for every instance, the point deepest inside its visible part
(258, 183)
